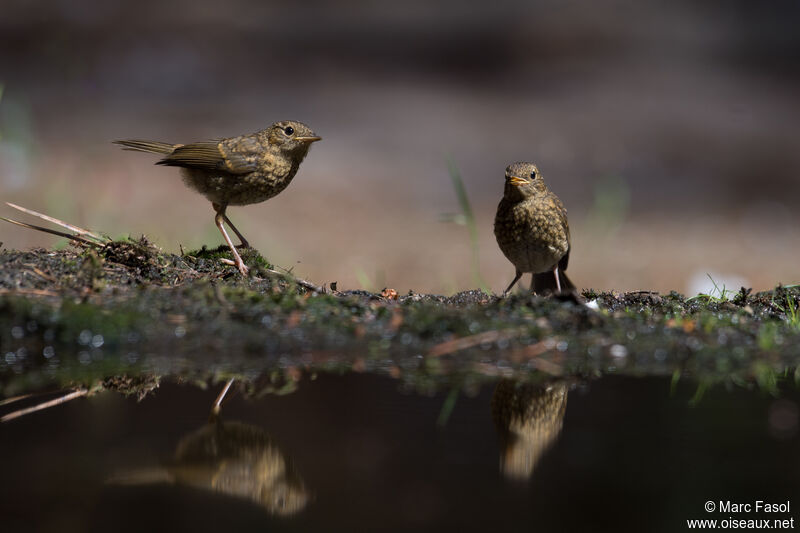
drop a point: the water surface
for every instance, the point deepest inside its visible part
(356, 452)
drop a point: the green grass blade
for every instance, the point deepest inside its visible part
(469, 220)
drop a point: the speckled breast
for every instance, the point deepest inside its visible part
(530, 239)
(238, 189)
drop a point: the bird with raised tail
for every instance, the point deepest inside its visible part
(241, 170)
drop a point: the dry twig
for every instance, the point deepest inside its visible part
(463, 343)
(45, 405)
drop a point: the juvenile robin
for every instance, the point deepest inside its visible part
(528, 418)
(237, 171)
(532, 231)
(231, 459)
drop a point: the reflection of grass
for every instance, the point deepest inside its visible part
(447, 407)
(763, 377)
(467, 218)
(699, 392)
(768, 336)
(767, 378)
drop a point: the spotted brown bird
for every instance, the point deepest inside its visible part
(237, 171)
(532, 230)
(528, 418)
(231, 459)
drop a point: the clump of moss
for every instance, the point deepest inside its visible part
(133, 385)
(139, 253)
(205, 257)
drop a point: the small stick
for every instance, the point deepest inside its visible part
(218, 401)
(215, 409)
(52, 231)
(469, 341)
(303, 283)
(41, 274)
(76, 229)
(16, 398)
(34, 292)
(45, 405)
(547, 367)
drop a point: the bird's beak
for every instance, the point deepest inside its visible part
(517, 181)
(308, 140)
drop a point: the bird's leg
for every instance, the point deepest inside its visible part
(244, 244)
(217, 407)
(558, 278)
(516, 279)
(218, 219)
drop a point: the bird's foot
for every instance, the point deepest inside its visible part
(238, 264)
(243, 268)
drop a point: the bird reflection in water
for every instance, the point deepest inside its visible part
(234, 459)
(528, 418)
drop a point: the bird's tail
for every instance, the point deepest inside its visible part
(546, 282)
(153, 147)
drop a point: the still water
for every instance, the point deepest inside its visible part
(357, 453)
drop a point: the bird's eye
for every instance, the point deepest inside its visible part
(288, 130)
(533, 175)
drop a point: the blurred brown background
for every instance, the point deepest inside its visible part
(669, 129)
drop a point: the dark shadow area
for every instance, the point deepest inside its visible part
(631, 455)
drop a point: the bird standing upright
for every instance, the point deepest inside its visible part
(236, 171)
(532, 231)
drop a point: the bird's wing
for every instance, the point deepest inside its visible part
(239, 157)
(562, 219)
(562, 264)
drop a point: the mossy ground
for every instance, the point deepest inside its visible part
(82, 315)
